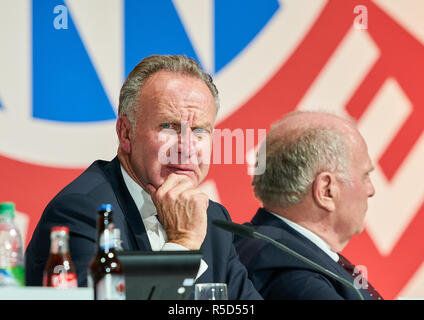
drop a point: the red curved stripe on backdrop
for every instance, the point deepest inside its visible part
(31, 186)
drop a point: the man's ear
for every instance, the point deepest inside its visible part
(325, 191)
(123, 130)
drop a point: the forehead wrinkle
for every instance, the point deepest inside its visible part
(171, 111)
(168, 114)
(175, 95)
(154, 94)
(170, 99)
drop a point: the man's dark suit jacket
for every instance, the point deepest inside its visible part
(278, 275)
(75, 206)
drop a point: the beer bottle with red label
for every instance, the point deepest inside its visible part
(59, 271)
(105, 272)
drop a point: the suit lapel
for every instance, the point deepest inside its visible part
(127, 204)
(280, 230)
(264, 218)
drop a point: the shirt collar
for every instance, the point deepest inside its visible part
(318, 241)
(142, 199)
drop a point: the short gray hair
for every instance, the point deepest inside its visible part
(294, 160)
(131, 89)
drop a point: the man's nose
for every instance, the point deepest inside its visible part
(371, 191)
(186, 141)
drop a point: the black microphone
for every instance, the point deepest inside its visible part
(249, 232)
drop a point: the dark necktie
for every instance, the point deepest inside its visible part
(350, 268)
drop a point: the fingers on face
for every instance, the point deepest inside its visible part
(173, 185)
(179, 191)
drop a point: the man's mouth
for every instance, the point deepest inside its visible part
(182, 169)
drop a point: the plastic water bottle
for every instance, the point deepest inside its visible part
(12, 272)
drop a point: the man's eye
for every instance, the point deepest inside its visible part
(167, 126)
(200, 131)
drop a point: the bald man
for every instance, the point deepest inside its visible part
(314, 193)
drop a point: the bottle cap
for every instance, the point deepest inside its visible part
(105, 207)
(7, 209)
(59, 228)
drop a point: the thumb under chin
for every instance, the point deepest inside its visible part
(150, 189)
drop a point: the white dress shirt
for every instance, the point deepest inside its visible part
(155, 231)
(318, 241)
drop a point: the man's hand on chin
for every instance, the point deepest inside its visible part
(181, 210)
